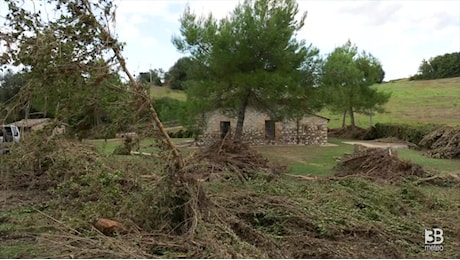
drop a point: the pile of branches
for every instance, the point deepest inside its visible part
(353, 132)
(443, 142)
(235, 156)
(377, 164)
(42, 162)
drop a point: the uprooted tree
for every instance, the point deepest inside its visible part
(250, 58)
(74, 55)
(72, 59)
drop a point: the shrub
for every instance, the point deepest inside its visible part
(409, 133)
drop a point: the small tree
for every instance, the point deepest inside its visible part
(347, 80)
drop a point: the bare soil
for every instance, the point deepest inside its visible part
(375, 144)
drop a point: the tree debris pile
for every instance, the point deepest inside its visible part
(443, 142)
(237, 157)
(76, 174)
(41, 162)
(377, 164)
(348, 132)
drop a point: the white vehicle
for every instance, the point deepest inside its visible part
(9, 134)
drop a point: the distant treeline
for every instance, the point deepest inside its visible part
(442, 66)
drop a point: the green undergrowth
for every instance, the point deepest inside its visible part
(264, 217)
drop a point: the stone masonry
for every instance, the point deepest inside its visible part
(310, 130)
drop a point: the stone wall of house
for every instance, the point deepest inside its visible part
(311, 130)
(308, 134)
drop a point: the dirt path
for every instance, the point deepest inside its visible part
(373, 144)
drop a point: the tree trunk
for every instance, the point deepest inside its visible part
(297, 131)
(343, 118)
(240, 120)
(352, 117)
(370, 119)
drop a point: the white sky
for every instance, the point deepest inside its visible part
(399, 33)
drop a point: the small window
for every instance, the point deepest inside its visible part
(224, 128)
(269, 129)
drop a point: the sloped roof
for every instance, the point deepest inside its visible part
(323, 117)
(31, 122)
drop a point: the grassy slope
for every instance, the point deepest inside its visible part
(160, 92)
(425, 101)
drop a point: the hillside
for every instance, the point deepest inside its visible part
(160, 92)
(425, 101)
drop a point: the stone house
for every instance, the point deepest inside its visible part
(259, 128)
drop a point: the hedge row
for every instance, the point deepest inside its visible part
(409, 133)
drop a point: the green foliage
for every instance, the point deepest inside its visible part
(347, 80)
(10, 85)
(182, 133)
(250, 58)
(180, 72)
(442, 66)
(170, 109)
(71, 75)
(410, 133)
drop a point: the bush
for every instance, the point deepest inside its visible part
(170, 109)
(182, 133)
(410, 133)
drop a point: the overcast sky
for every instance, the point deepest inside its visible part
(399, 33)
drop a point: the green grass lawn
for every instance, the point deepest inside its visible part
(412, 102)
(147, 145)
(307, 160)
(301, 159)
(440, 165)
(320, 160)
